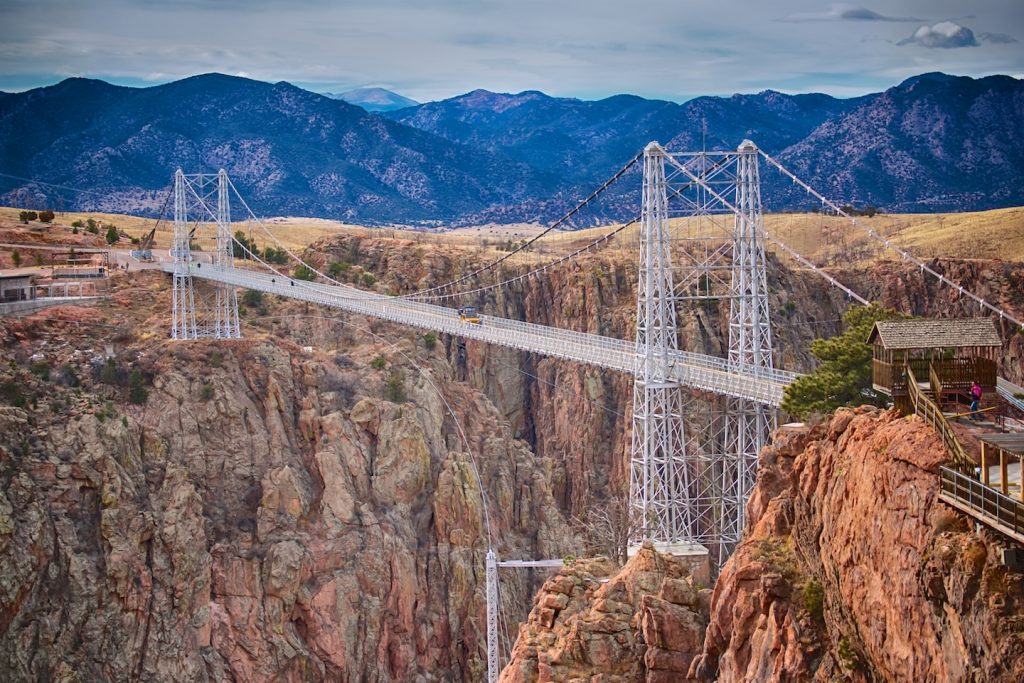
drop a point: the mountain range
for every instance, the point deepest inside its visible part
(934, 142)
(374, 99)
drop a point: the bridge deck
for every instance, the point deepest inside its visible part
(693, 370)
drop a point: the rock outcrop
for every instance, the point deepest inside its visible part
(644, 624)
(851, 569)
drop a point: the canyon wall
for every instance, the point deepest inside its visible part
(268, 513)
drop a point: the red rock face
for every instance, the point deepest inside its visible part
(286, 523)
(852, 569)
(643, 624)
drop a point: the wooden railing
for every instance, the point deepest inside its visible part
(888, 376)
(936, 382)
(1002, 513)
(958, 374)
(930, 412)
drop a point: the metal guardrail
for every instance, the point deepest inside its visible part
(987, 505)
(692, 370)
(1010, 391)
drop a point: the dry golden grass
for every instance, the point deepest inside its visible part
(823, 239)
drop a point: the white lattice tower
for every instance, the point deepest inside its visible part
(194, 209)
(226, 311)
(748, 424)
(659, 480)
(183, 307)
(491, 590)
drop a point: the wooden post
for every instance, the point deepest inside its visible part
(1003, 484)
(984, 463)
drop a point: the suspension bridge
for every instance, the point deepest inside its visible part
(701, 237)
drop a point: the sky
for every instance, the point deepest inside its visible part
(434, 49)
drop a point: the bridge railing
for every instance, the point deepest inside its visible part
(930, 412)
(1003, 513)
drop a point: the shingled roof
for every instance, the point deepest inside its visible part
(935, 334)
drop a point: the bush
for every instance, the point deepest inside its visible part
(303, 272)
(205, 391)
(40, 369)
(110, 373)
(430, 340)
(394, 391)
(378, 363)
(137, 393)
(369, 280)
(92, 227)
(46, 216)
(77, 224)
(216, 358)
(27, 216)
(16, 258)
(11, 393)
(74, 231)
(814, 599)
(276, 256)
(337, 268)
(112, 234)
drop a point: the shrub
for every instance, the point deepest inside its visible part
(253, 297)
(92, 226)
(378, 363)
(303, 272)
(77, 224)
(16, 258)
(430, 340)
(112, 234)
(369, 280)
(137, 393)
(216, 358)
(206, 391)
(338, 268)
(27, 216)
(46, 216)
(40, 369)
(394, 390)
(110, 373)
(11, 393)
(814, 599)
(74, 231)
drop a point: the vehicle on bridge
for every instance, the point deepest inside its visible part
(468, 314)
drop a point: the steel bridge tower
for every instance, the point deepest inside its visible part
(748, 425)
(660, 486)
(201, 207)
(689, 496)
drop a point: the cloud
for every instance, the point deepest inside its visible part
(944, 34)
(997, 38)
(864, 14)
(845, 13)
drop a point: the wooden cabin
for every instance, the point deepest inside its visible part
(947, 354)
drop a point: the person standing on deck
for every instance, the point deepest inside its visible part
(975, 401)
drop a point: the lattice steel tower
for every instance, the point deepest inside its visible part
(659, 481)
(694, 492)
(747, 424)
(202, 211)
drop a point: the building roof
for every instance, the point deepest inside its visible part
(942, 333)
(1011, 443)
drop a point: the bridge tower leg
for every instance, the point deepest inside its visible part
(748, 424)
(660, 482)
(183, 307)
(184, 317)
(226, 317)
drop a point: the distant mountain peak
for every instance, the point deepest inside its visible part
(374, 99)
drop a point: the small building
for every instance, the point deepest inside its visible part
(17, 285)
(947, 354)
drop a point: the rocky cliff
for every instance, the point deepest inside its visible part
(851, 569)
(267, 512)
